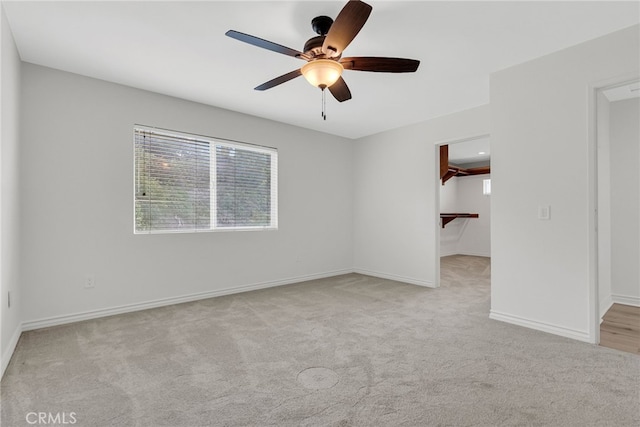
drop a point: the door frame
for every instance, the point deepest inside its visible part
(594, 179)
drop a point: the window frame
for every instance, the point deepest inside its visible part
(486, 187)
(213, 143)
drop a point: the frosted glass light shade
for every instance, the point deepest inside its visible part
(322, 72)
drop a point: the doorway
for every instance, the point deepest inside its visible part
(618, 206)
(463, 207)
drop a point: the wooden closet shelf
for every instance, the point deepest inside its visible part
(448, 217)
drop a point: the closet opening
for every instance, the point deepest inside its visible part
(464, 212)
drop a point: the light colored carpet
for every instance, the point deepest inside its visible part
(346, 351)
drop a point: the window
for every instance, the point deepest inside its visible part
(189, 183)
(486, 187)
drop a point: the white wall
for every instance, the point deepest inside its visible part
(466, 236)
(395, 189)
(625, 203)
(77, 203)
(449, 195)
(450, 235)
(9, 194)
(476, 238)
(543, 271)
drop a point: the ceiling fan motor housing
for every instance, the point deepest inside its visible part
(321, 25)
(313, 46)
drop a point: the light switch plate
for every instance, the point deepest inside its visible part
(544, 212)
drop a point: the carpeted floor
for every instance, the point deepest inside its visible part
(345, 351)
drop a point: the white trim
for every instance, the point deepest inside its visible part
(541, 326)
(437, 221)
(592, 134)
(481, 254)
(128, 308)
(605, 305)
(6, 356)
(626, 300)
(395, 277)
(449, 253)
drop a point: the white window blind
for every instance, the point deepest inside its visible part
(188, 183)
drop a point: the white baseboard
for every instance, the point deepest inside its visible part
(626, 300)
(6, 356)
(605, 305)
(128, 308)
(540, 326)
(449, 253)
(395, 277)
(481, 254)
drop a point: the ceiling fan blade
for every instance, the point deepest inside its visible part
(340, 90)
(380, 64)
(347, 25)
(265, 44)
(279, 80)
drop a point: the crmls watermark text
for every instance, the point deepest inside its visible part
(49, 418)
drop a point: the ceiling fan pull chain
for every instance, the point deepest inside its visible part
(324, 105)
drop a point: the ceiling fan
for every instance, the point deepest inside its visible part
(323, 53)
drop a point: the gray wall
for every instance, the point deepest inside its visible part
(77, 203)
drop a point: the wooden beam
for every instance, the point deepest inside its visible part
(458, 171)
(444, 160)
(479, 171)
(447, 176)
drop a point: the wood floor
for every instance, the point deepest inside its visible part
(620, 328)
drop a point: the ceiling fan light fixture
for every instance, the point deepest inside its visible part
(322, 73)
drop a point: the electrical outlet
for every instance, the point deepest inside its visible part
(89, 282)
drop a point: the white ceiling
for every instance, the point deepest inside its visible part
(179, 49)
(474, 150)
